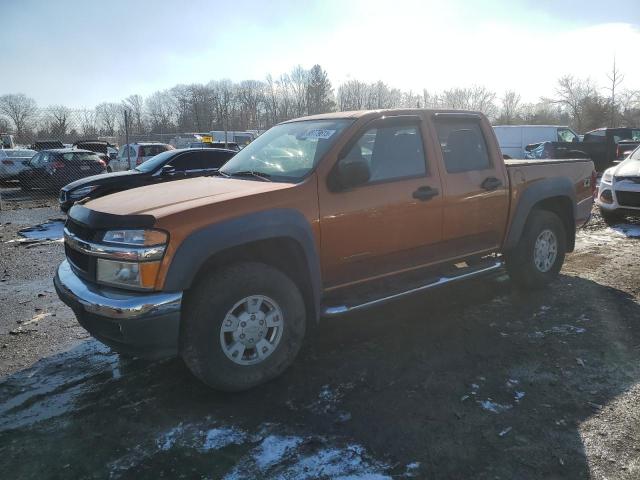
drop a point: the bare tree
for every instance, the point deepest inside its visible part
(250, 97)
(510, 109)
(58, 120)
(616, 78)
(159, 109)
(571, 94)
(108, 116)
(299, 84)
(135, 105)
(88, 123)
(20, 109)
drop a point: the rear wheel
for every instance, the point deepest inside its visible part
(539, 255)
(243, 325)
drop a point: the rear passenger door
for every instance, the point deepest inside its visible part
(476, 202)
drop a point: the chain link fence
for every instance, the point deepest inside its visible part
(57, 146)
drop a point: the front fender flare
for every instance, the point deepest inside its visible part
(202, 244)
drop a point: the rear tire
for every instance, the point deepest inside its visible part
(611, 217)
(243, 325)
(539, 255)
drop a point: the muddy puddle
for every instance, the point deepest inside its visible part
(101, 416)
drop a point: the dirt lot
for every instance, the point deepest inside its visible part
(477, 381)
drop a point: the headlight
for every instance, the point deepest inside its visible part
(607, 176)
(127, 274)
(136, 237)
(81, 192)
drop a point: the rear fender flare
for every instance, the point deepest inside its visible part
(537, 192)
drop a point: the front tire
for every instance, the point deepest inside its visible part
(243, 325)
(539, 255)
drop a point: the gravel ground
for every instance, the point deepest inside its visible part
(475, 381)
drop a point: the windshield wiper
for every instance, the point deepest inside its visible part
(265, 177)
(218, 172)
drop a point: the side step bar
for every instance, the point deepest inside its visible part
(333, 311)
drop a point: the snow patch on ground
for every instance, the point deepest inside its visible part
(49, 230)
(493, 407)
(626, 229)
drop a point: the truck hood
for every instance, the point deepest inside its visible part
(629, 168)
(172, 197)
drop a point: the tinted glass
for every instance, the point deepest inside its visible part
(80, 157)
(187, 161)
(392, 152)
(156, 162)
(152, 150)
(214, 159)
(463, 145)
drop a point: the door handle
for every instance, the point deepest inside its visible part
(491, 183)
(425, 193)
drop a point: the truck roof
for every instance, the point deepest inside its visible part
(364, 113)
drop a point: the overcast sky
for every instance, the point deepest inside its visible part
(80, 53)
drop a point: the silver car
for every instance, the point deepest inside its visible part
(13, 162)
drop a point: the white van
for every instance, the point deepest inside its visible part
(514, 138)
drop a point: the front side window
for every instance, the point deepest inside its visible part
(392, 152)
(463, 146)
(186, 162)
(566, 135)
(289, 151)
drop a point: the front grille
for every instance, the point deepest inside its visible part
(628, 199)
(84, 265)
(80, 231)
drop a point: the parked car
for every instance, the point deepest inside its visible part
(226, 146)
(513, 139)
(47, 145)
(14, 161)
(52, 169)
(602, 144)
(619, 191)
(164, 167)
(319, 216)
(7, 141)
(554, 150)
(138, 153)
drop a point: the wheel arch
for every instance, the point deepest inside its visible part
(556, 195)
(281, 238)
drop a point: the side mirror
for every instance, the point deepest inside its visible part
(167, 170)
(352, 172)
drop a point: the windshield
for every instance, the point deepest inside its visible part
(155, 162)
(289, 151)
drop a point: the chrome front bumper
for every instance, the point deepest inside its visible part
(140, 324)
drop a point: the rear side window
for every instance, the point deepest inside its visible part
(213, 159)
(187, 161)
(152, 150)
(463, 146)
(392, 152)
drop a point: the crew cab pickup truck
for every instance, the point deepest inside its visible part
(317, 217)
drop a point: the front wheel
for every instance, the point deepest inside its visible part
(539, 255)
(243, 325)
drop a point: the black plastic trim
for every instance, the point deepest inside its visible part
(104, 221)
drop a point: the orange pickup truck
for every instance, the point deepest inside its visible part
(317, 217)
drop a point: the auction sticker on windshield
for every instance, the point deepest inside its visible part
(319, 133)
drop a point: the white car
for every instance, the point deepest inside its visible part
(619, 191)
(13, 162)
(137, 153)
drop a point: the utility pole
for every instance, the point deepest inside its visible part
(126, 136)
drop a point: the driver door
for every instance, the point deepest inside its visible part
(389, 223)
